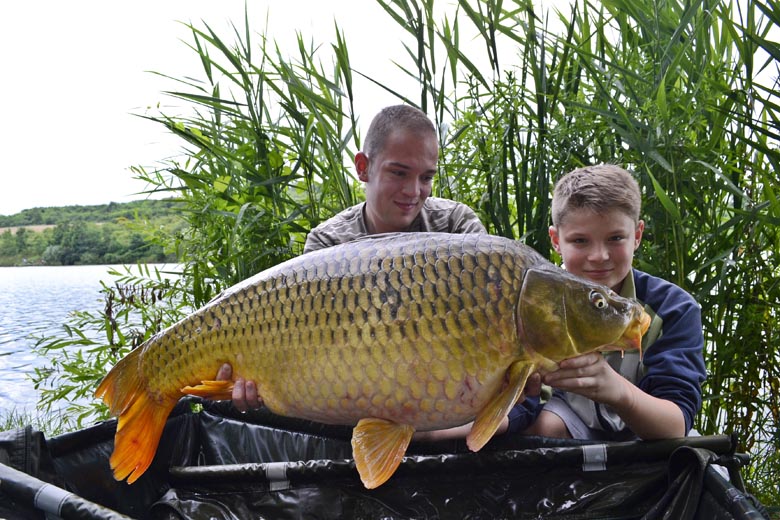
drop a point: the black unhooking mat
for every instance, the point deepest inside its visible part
(215, 463)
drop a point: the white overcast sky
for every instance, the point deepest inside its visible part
(75, 72)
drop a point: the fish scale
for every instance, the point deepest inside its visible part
(367, 315)
(416, 330)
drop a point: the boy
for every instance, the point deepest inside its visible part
(596, 229)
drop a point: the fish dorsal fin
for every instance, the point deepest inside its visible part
(378, 447)
(215, 390)
(489, 419)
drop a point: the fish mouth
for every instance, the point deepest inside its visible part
(631, 339)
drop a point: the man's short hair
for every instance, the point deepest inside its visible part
(396, 117)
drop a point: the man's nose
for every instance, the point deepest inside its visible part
(411, 187)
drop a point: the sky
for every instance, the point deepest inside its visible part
(76, 75)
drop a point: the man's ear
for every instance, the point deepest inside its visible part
(361, 166)
(554, 238)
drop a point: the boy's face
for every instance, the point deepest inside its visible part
(398, 179)
(599, 247)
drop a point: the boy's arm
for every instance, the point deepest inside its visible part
(674, 363)
(591, 376)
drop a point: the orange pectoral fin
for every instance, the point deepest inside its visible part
(489, 419)
(378, 447)
(215, 390)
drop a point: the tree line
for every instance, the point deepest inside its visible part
(115, 233)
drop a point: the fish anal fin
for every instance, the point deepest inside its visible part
(378, 447)
(489, 419)
(215, 390)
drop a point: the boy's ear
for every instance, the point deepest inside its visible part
(640, 227)
(554, 238)
(361, 166)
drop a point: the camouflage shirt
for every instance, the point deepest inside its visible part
(437, 215)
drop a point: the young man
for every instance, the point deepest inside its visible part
(397, 165)
(596, 229)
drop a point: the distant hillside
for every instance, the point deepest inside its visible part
(115, 233)
(110, 212)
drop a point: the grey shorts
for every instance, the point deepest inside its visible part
(577, 427)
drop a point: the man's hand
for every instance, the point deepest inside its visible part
(244, 392)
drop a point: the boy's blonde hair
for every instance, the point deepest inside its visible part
(601, 188)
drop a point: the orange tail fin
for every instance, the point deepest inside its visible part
(142, 416)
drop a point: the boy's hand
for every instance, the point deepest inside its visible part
(591, 376)
(244, 392)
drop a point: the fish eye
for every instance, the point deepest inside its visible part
(598, 300)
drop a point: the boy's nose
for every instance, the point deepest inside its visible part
(598, 253)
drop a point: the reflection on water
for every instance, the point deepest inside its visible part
(36, 301)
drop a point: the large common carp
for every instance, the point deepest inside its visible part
(393, 333)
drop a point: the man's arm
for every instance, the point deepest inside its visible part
(464, 220)
(314, 241)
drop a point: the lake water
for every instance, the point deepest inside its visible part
(36, 301)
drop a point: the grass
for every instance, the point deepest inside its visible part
(50, 423)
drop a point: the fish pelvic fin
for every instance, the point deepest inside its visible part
(141, 416)
(378, 447)
(214, 390)
(489, 419)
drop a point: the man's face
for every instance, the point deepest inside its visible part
(598, 247)
(398, 179)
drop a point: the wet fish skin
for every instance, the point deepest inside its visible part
(393, 333)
